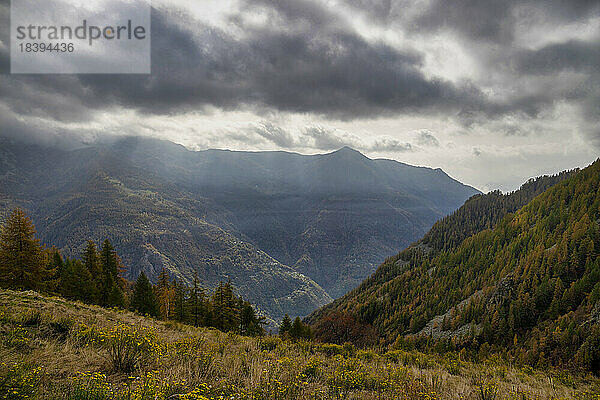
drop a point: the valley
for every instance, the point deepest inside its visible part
(291, 232)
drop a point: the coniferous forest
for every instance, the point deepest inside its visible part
(97, 278)
(524, 283)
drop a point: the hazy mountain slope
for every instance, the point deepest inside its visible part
(273, 222)
(478, 213)
(75, 196)
(334, 217)
(531, 284)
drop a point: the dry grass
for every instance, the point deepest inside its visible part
(70, 345)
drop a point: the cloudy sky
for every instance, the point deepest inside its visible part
(493, 92)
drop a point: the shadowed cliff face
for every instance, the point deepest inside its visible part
(290, 231)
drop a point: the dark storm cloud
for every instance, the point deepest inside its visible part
(487, 29)
(495, 21)
(307, 59)
(574, 55)
(317, 65)
(4, 60)
(4, 36)
(314, 65)
(570, 57)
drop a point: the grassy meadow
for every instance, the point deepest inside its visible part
(51, 348)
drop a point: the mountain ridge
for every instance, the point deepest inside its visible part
(228, 213)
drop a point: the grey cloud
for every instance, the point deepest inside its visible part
(307, 13)
(319, 68)
(328, 139)
(578, 63)
(483, 20)
(35, 132)
(387, 145)
(4, 36)
(426, 138)
(573, 55)
(309, 60)
(320, 138)
(382, 10)
(275, 134)
(495, 21)
(529, 79)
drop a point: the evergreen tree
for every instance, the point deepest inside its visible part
(116, 297)
(250, 323)
(91, 261)
(299, 330)
(57, 261)
(23, 262)
(143, 300)
(180, 311)
(286, 325)
(54, 263)
(197, 302)
(224, 307)
(76, 282)
(112, 292)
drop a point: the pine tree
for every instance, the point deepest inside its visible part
(76, 282)
(297, 328)
(51, 276)
(23, 263)
(225, 309)
(196, 303)
(91, 261)
(143, 300)
(116, 297)
(250, 324)
(180, 311)
(286, 325)
(112, 292)
(57, 261)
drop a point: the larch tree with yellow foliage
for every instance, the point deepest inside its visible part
(23, 261)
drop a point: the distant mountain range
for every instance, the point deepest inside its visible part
(291, 231)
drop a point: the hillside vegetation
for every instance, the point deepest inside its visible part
(292, 232)
(527, 285)
(55, 349)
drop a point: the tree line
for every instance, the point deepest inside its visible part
(98, 278)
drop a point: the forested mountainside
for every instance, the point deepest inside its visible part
(529, 286)
(480, 212)
(290, 231)
(484, 211)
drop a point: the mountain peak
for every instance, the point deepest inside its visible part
(348, 151)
